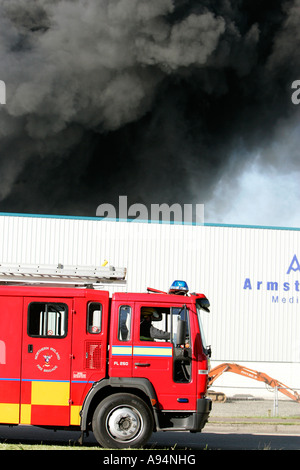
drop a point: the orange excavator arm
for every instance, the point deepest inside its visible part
(252, 374)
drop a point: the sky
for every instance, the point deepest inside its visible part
(168, 101)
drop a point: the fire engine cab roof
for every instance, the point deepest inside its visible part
(71, 292)
(41, 291)
(161, 297)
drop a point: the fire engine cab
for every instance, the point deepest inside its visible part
(121, 366)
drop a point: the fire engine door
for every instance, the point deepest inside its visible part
(166, 364)
(46, 356)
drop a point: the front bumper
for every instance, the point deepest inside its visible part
(193, 421)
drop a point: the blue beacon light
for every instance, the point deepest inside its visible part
(179, 287)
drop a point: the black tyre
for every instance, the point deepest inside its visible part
(122, 420)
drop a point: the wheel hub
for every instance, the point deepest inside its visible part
(123, 423)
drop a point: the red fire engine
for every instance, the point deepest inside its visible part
(76, 357)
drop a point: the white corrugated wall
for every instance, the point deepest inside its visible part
(256, 327)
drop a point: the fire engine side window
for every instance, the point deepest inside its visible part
(94, 316)
(124, 328)
(155, 324)
(47, 319)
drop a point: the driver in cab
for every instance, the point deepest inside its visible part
(147, 331)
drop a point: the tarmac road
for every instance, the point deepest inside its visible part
(217, 440)
(233, 425)
(227, 441)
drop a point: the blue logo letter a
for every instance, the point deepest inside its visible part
(294, 262)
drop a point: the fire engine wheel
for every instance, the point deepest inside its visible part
(122, 420)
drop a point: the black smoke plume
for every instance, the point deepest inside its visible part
(163, 101)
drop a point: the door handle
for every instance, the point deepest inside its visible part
(142, 364)
(30, 348)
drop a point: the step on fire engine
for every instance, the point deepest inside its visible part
(122, 367)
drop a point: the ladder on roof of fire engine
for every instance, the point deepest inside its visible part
(13, 274)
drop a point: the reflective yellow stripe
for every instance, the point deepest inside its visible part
(25, 414)
(50, 393)
(152, 351)
(142, 351)
(75, 417)
(9, 413)
(121, 350)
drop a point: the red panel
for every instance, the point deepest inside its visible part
(79, 391)
(26, 392)
(49, 415)
(9, 391)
